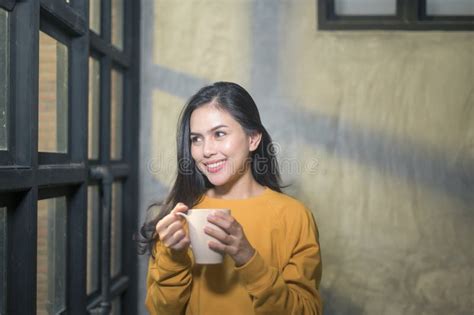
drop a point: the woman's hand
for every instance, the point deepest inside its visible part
(231, 240)
(170, 229)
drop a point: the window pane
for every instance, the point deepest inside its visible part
(94, 15)
(94, 113)
(117, 23)
(116, 307)
(4, 75)
(365, 7)
(53, 95)
(93, 238)
(451, 7)
(51, 260)
(116, 230)
(3, 259)
(116, 115)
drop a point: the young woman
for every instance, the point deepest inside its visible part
(272, 262)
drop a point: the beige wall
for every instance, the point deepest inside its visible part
(375, 130)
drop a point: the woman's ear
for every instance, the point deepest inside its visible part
(254, 140)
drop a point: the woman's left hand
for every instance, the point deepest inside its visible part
(231, 240)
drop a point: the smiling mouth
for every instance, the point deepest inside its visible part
(215, 167)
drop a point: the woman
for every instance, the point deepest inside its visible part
(272, 261)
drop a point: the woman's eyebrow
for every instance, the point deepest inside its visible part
(210, 130)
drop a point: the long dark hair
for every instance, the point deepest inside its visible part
(190, 184)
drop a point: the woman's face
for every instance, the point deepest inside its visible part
(219, 145)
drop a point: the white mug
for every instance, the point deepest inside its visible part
(197, 220)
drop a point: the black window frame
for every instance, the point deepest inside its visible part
(27, 175)
(410, 16)
(125, 169)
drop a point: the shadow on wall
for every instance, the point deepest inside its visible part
(449, 173)
(335, 303)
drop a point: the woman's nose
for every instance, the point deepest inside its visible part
(209, 148)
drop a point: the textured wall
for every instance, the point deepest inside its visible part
(375, 131)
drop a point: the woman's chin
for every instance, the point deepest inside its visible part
(218, 179)
(217, 182)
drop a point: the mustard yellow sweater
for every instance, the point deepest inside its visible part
(281, 278)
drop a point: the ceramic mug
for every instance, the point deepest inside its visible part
(197, 220)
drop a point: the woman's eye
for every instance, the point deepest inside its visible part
(194, 139)
(220, 134)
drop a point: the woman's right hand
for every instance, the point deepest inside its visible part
(170, 229)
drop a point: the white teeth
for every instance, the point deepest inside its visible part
(215, 164)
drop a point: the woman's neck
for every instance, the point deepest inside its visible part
(245, 187)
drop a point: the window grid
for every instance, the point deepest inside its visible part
(410, 16)
(32, 178)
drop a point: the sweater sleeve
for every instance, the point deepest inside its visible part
(169, 281)
(295, 289)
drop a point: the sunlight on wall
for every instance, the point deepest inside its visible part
(208, 39)
(166, 110)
